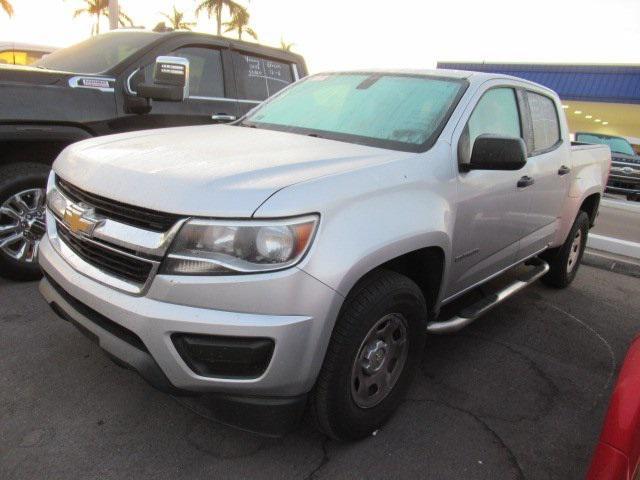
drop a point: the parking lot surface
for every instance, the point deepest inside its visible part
(519, 394)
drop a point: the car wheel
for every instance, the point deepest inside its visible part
(633, 197)
(373, 353)
(22, 219)
(565, 261)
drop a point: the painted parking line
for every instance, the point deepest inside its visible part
(614, 245)
(621, 205)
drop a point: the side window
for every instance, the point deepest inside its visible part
(258, 78)
(544, 120)
(206, 77)
(497, 114)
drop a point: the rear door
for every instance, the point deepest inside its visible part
(548, 167)
(259, 76)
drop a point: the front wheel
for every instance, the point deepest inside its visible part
(373, 353)
(22, 219)
(565, 260)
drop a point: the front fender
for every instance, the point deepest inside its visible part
(371, 216)
(42, 132)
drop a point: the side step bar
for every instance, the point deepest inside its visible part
(472, 313)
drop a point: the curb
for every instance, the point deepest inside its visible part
(603, 261)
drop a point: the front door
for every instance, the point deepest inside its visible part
(207, 93)
(491, 215)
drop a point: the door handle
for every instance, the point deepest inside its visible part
(525, 181)
(222, 117)
(563, 170)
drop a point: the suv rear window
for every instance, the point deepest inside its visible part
(258, 78)
(544, 119)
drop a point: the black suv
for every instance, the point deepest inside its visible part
(91, 89)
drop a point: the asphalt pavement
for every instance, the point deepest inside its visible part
(519, 394)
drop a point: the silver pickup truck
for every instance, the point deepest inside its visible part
(299, 258)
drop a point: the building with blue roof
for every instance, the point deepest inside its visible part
(596, 98)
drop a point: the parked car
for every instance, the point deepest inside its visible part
(625, 165)
(617, 455)
(90, 89)
(301, 255)
(13, 53)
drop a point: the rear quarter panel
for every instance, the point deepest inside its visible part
(589, 172)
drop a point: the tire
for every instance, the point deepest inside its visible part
(633, 197)
(340, 406)
(565, 260)
(15, 179)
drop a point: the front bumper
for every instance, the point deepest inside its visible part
(202, 305)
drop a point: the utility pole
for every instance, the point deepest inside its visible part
(113, 14)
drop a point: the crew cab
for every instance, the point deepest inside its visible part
(91, 89)
(299, 257)
(624, 178)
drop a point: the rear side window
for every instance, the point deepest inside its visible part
(495, 114)
(544, 120)
(258, 78)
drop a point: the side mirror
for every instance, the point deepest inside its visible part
(492, 152)
(170, 80)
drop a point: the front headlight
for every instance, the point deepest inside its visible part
(217, 247)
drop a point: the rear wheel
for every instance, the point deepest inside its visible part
(565, 260)
(373, 353)
(22, 219)
(633, 197)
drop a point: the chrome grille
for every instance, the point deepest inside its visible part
(121, 212)
(121, 265)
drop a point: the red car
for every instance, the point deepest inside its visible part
(617, 456)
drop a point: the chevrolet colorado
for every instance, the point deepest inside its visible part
(92, 89)
(299, 257)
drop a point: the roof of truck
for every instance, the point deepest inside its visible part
(475, 77)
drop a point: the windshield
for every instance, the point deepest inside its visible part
(616, 144)
(97, 54)
(402, 112)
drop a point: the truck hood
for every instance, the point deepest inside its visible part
(211, 171)
(32, 75)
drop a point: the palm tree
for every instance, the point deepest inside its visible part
(215, 7)
(285, 46)
(7, 7)
(240, 22)
(100, 8)
(176, 20)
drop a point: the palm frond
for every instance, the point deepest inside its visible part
(251, 32)
(7, 7)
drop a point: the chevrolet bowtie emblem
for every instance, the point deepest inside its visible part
(81, 220)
